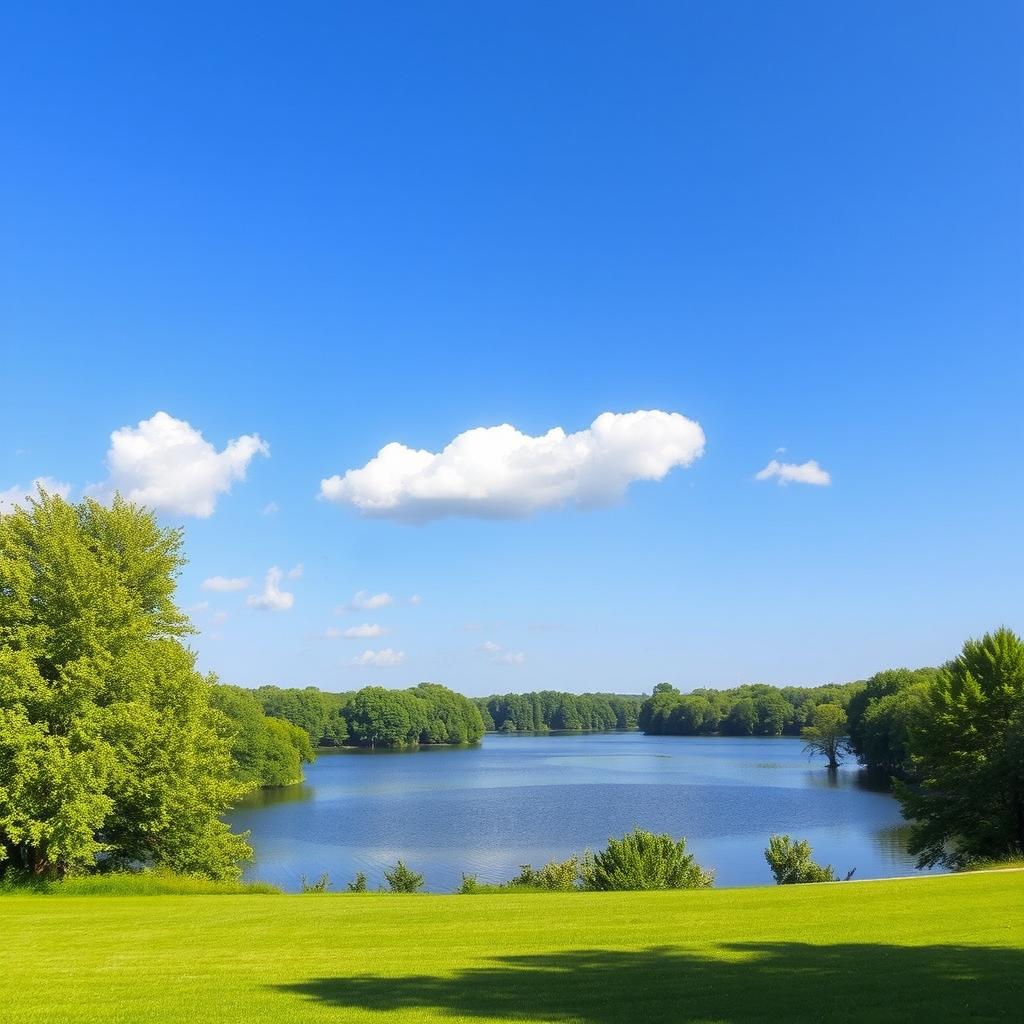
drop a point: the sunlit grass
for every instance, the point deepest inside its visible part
(931, 949)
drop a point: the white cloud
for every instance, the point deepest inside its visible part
(501, 473)
(218, 617)
(296, 571)
(226, 584)
(168, 465)
(365, 632)
(387, 658)
(18, 495)
(364, 601)
(500, 656)
(791, 473)
(270, 509)
(272, 598)
(415, 600)
(199, 606)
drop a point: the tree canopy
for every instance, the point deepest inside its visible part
(967, 798)
(110, 750)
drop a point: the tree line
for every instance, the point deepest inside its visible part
(375, 717)
(544, 710)
(877, 713)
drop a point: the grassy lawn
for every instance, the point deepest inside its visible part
(932, 949)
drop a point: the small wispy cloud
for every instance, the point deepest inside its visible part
(499, 656)
(364, 601)
(386, 658)
(226, 584)
(270, 509)
(790, 473)
(296, 571)
(367, 631)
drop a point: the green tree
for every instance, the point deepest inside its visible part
(827, 734)
(642, 860)
(108, 745)
(402, 879)
(968, 757)
(791, 862)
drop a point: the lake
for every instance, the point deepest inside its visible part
(528, 799)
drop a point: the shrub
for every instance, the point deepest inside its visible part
(401, 879)
(322, 884)
(642, 860)
(791, 862)
(358, 884)
(555, 876)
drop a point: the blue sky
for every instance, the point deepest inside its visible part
(338, 226)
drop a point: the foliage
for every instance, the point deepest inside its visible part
(968, 757)
(358, 884)
(319, 714)
(643, 860)
(402, 879)
(754, 709)
(109, 748)
(555, 876)
(827, 734)
(377, 717)
(266, 751)
(322, 884)
(543, 710)
(791, 862)
(882, 716)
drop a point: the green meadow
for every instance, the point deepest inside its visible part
(930, 949)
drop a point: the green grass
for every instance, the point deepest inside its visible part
(137, 883)
(933, 949)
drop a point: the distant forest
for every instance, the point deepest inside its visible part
(878, 714)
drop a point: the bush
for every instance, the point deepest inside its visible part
(642, 860)
(322, 884)
(791, 862)
(358, 884)
(401, 879)
(555, 876)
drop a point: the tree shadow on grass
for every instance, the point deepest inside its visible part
(737, 984)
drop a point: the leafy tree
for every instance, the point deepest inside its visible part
(642, 860)
(401, 879)
(322, 884)
(968, 757)
(267, 751)
(827, 734)
(358, 884)
(791, 862)
(109, 748)
(742, 719)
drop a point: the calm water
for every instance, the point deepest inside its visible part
(528, 799)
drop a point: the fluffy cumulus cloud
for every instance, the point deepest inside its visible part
(792, 473)
(272, 597)
(18, 495)
(386, 658)
(502, 473)
(226, 584)
(168, 465)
